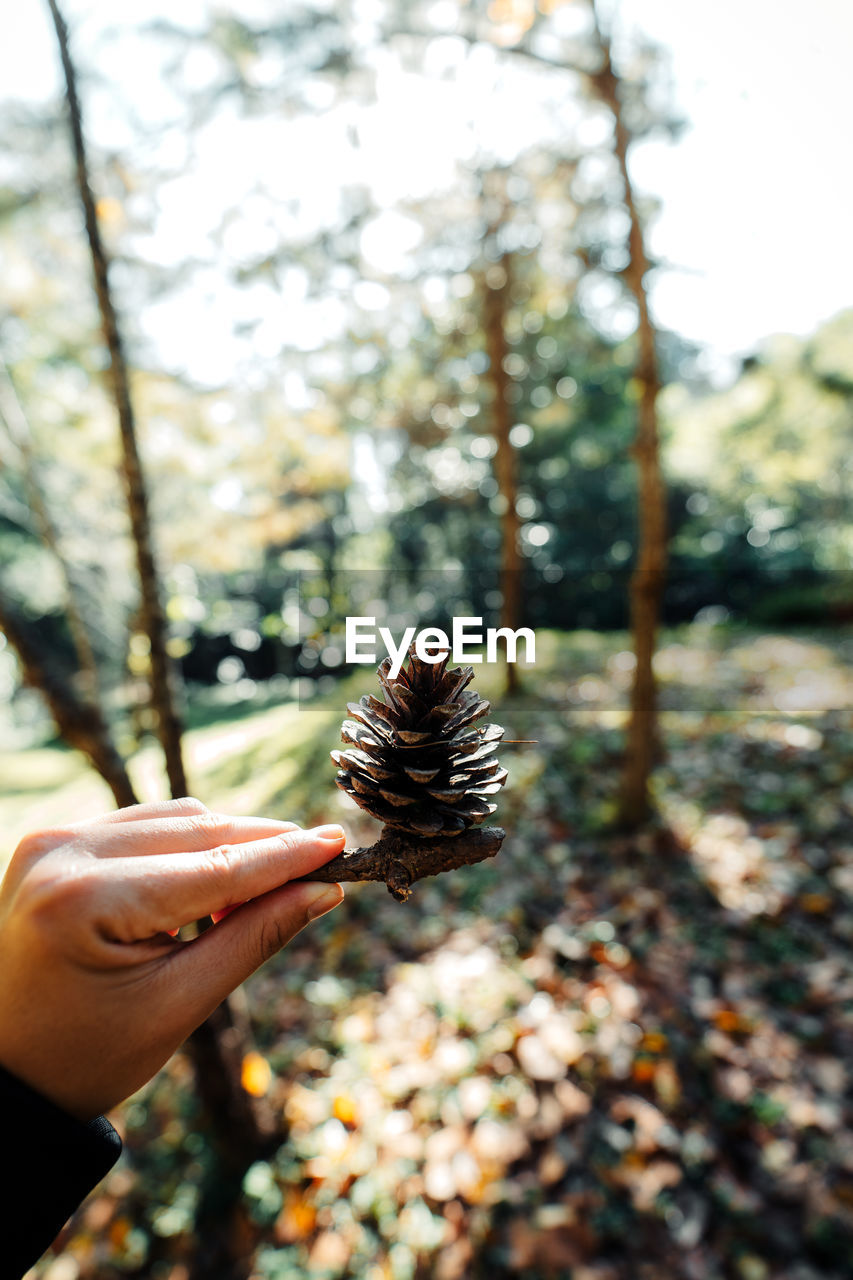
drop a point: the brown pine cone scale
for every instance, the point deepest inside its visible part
(416, 761)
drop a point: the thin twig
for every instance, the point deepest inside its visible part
(169, 727)
(399, 859)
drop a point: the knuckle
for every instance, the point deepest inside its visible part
(271, 938)
(219, 862)
(201, 831)
(189, 805)
(52, 890)
(37, 843)
(290, 841)
(32, 851)
(210, 826)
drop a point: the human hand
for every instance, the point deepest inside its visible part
(95, 991)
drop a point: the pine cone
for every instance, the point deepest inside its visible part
(416, 762)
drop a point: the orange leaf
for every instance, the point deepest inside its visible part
(345, 1110)
(118, 1232)
(255, 1074)
(297, 1220)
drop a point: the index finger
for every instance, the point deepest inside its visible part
(157, 892)
(179, 833)
(184, 806)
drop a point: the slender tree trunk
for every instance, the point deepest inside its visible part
(79, 721)
(162, 691)
(647, 580)
(235, 1127)
(495, 307)
(18, 427)
(242, 1130)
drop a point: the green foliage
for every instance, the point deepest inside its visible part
(347, 422)
(769, 465)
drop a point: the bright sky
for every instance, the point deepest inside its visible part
(756, 196)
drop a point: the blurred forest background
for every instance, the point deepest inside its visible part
(379, 321)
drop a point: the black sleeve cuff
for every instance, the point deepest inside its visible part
(52, 1163)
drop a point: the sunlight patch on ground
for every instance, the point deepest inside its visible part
(794, 676)
(748, 874)
(37, 770)
(256, 794)
(66, 791)
(211, 749)
(48, 786)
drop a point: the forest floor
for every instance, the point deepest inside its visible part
(599, 1057)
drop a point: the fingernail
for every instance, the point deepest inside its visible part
(332, 832)
(324, 897)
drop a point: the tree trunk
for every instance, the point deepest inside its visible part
(162, 691)
(242, 1130)
(495, 307)
(235, 1127)
(647, 579)
(79, 721)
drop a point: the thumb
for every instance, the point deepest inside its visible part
(211, 966)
